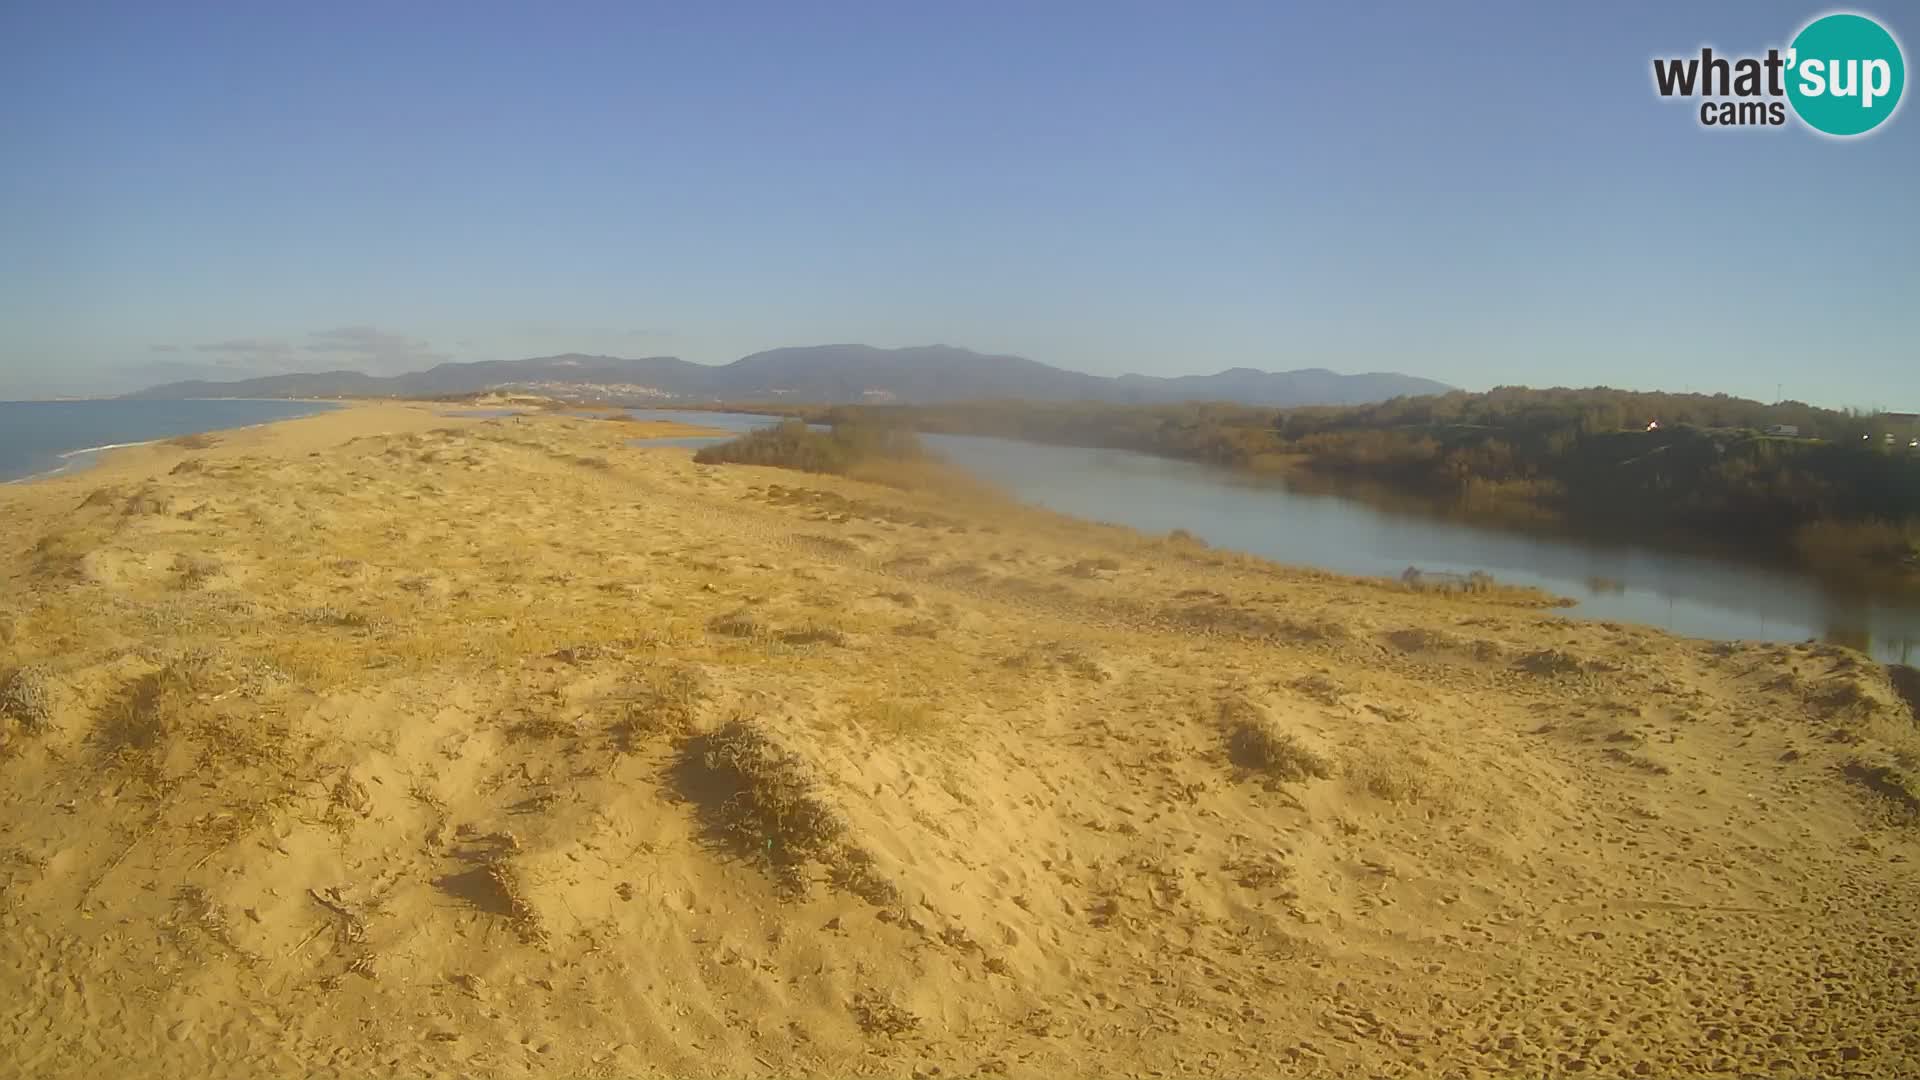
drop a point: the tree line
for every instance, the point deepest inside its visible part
(1622, 460)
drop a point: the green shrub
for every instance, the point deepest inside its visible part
(791, 444)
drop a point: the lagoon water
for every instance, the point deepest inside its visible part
(1691, 594)
(40, 437)
(719, 421)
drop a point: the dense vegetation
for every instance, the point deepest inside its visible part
(791, 444)
(1582, 456)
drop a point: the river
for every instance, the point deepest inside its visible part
(1690, 594)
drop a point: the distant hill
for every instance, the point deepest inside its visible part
(647, 376)
(830, 374)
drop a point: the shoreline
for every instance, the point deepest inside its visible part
(30, 477)
(97, 454)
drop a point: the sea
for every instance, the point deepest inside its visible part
(43, 438)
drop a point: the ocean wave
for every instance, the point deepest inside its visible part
(108, 446)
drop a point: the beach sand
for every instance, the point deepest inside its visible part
(383, 743)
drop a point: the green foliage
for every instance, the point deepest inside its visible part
(1584, 456)
(791, 444)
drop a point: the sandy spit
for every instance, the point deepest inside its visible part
(387, 743)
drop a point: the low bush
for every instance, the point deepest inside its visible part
(791, 444)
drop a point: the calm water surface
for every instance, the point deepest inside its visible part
(40, 437)
(721, 421)
(1695, 595)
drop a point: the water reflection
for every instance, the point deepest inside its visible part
(1692, 593)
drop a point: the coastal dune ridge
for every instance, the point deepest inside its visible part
(390, 741)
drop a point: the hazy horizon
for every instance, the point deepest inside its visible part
(943, 345)
(1488, 197)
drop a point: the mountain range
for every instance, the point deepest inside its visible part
(820, 374)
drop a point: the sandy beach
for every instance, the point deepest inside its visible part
(382, 742)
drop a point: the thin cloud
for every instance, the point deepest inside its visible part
(247, 346)
(163, 348)
(551, 331)
(242, 357)
(374, 349)
(166, 371)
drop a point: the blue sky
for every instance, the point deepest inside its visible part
(1487, 195)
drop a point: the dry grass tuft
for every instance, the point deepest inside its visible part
(1058, 657)
(196, 570)
(149, 709)
(1421, 639)
(198, 917)
(1090, 568)
(663, 701)
(26, 699)
(333, 618)
(1899, 787)
(1258, 743)
(740, 624)
(878, 1015)
(1318, 687)
(1218, 616)
(1845, 696)
(832, 545)
(221, 829)
(764, 800)
(542, 726)
(1480, 585)
(1398, 778)
(813, 634)
(1550, 662)
(520, 913)
(149, 501)
(59, 554)
(322, 662)
(772, 802)
(1258, 872)
(852, 869)
(494, 887)
(1639, 761)
(346, 800)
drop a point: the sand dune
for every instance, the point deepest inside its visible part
(383, 743)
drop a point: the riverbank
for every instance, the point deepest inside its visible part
(1710, 472)
(385, 742)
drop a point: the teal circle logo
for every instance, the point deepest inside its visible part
(1845, 74)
